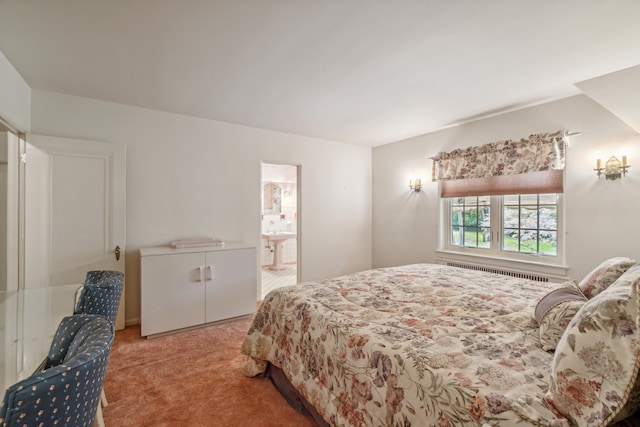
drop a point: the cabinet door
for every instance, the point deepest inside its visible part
(232, 283)
(172, 292)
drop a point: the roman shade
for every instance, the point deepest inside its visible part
(530, 166)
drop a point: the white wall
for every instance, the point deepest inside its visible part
(191, 177)
(601, 214)
(15, 97)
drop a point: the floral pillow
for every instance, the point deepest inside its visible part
(594, 373)
(601, 277)
(555, 310)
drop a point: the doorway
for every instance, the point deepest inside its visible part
(279, 227)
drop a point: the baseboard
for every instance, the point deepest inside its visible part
(132, 322)
(204, 325)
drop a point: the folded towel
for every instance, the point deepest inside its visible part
(193, 243)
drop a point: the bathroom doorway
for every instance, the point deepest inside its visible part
(279, 230)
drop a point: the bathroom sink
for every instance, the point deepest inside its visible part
(278, 235)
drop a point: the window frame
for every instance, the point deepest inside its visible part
(495, 251)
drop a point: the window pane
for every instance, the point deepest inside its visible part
(548, 242)
(471, 200)
(529, 199)
(484, 238)
(484, 218)
(510, 241)
(456, 235)
(548, 218)
(511, 200)
(548, 199)
(529, 217)
(528, 241)
(470, 237)
(456, 215)
(511, 219)
(471, 217)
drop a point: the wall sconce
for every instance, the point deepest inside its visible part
(613, 169)
(415, 186)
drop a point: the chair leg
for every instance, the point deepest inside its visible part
(103, 399)
(99, 421)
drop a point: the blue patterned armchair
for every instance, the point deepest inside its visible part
(67, 391)
(101, 294)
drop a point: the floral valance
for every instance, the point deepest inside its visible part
(538, 152)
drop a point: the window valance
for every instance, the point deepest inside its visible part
(531, 165)
(539, 152)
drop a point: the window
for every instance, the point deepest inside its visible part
(503, 201)
(471, 222)
(510, 226)
(530, 224)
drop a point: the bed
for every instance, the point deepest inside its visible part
(433, 345)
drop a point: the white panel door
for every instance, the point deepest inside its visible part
(75, 211)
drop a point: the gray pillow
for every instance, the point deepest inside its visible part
(555, 310)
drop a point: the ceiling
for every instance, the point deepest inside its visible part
(367, 72)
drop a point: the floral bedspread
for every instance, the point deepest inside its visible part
(417, 345)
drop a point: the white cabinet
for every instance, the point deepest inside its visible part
(188, 287)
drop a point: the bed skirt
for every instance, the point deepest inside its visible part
(291, 395)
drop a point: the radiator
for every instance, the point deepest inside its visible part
(512, 273)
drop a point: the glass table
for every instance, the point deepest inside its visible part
(28, 321)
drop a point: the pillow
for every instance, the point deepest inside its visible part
(595, 367)
(555, 310)
(604, 275)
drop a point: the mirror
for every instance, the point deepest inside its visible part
(272, 199)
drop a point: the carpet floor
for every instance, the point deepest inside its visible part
(192, 378)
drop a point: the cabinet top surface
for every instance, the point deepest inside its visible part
(167, 250)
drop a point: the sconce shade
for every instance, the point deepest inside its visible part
(613, 169)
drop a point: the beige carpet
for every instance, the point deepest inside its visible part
(190, 379)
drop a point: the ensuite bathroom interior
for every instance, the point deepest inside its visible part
(278, 255)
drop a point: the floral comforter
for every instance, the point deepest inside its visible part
(418, 345)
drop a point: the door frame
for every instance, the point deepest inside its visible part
(298, 183)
